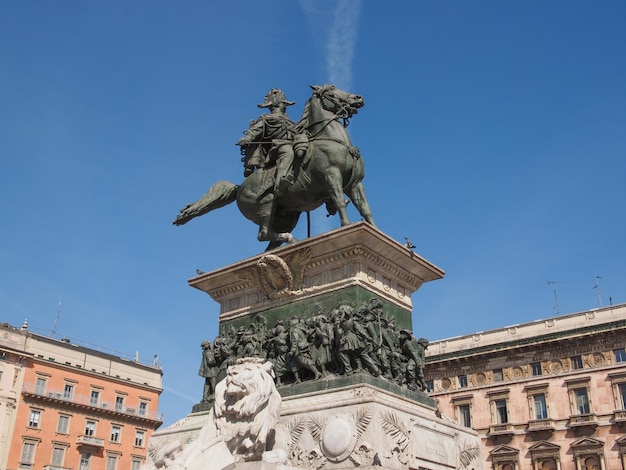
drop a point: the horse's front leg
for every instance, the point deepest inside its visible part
(334, 183)
(357, 195)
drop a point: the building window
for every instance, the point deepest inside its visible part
(90, 428)
(463, 410)
(577, 362)
(119, 403)
(497, 375)
(116, 432)
(28, 454)
(430, 385)
(620, 355)
(112, 462)
(94, 398)
(136, 463)
(465, 416)
(581, 401)
(40, 386)
(536, 369)
(591, 463)
(34, 418)
(618, 382)
(540, 407)
(58, 456)
(85, 461)
(143, 407)
(462, 381)
(139, 438)
(621, 395)
(501, 412)
(63, 425)
(68, 392)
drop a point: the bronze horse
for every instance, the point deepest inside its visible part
(331, 168)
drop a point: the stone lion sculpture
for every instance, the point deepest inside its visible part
(246, 410)
(247, 407)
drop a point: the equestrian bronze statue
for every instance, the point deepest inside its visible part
(291, 168)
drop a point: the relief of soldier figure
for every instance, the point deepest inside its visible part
(345, 340)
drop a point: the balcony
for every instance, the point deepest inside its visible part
(90, 441)
(619, 416)
(501, 429)
(86, 400)
(541, 425)
(588, 419)
(56, 467)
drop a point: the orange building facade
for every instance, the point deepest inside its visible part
(67, 407)
(544, 395)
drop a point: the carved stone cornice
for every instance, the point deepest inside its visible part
(357, 254)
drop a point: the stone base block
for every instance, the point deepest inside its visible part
(364, 426)
(357, 425)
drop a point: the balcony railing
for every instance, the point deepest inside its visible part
(56, 467)
(619, 416)
(500, 429)
(583, 420)
(86, 400)
(540, 425)
(89, 441)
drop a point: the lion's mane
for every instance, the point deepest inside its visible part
(247, 407)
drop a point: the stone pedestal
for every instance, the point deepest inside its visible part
(349, 265)
(366, 423)
(340, 420)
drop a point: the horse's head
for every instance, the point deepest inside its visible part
(339, 102)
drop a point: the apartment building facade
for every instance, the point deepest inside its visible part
(544, 395)
(64, 406)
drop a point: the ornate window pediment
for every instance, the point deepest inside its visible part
(504, 456)
(545, 449)
(504, 451)
(587, 445)
(537, 388)
(462, 399)
(588, 453)
(544, 446)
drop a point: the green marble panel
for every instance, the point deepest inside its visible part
(323, 304)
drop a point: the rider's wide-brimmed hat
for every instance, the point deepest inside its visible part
(274, 97)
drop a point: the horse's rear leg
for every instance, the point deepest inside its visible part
(266, 233)
(334, 183)
(357, 195)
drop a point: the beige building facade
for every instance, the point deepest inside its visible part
(544, 395)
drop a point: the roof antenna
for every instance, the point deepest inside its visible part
(596, 286)
(556, 299)
(56, 319)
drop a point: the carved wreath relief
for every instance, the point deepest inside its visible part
(276, 277)
(317, 440)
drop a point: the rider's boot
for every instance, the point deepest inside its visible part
(284, 183)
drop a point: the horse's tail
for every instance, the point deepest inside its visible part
(219, 195)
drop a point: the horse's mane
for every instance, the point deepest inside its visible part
(303, 123)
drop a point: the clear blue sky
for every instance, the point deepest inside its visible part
(494, 137)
